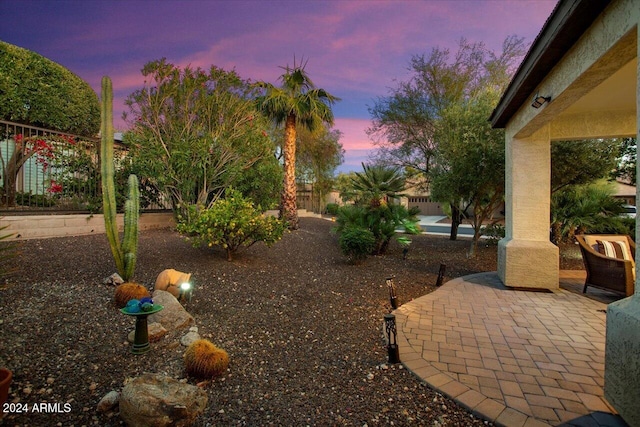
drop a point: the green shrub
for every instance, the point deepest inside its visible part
(332, 208)
(493, 232)
(356, 242)
(40, 92)
(231, 223)
(383, 221)
(36, 200)
(614, 225)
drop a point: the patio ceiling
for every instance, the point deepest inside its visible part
(614, 97)
(585, 59)
(617, 93)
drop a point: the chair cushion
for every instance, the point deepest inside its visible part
(614, 249)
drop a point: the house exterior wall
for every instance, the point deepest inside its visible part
(605, 47)
(426, 205)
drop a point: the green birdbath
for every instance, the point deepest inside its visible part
(141, 339)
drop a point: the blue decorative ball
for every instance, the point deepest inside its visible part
(146, 300)
(146, 306)
(133, 306)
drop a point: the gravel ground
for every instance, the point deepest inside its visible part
(301, 325)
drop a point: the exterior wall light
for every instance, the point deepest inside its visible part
(539, 100)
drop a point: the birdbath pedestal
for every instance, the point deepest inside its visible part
(141, 338)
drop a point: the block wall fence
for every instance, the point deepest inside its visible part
(46, 226)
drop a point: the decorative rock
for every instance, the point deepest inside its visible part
(173, 316)
(108, 402)
(114, 280)
(155, 330)
(189, 337)
(153, 400)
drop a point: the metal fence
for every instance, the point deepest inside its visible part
(44, 170)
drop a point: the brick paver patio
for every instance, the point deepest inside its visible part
(515, 357)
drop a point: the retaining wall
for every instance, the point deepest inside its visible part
(45, 226)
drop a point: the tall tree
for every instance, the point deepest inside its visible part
(471, 169)
(195, 132)
(410, 123)
(295, 102)
(582, 162)
(319, 153)
(627, 159)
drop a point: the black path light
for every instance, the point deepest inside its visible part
(393, 297)
(392, 336)
(443, 268)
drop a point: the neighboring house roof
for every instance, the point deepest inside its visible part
(568, 21)
(624, 190)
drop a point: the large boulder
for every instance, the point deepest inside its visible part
(173, 316)
(154, 400)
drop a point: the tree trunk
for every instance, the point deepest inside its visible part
(10, 177)
(456, 220)
(288, 207)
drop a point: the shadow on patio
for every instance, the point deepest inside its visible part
(514, 357)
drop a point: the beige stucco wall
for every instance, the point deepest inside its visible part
(603, 49)
(526, 257)
(607, 49)
(45, 226)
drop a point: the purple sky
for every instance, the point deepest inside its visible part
(356, 50)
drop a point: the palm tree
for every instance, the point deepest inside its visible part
(378, 183)
(296, 102)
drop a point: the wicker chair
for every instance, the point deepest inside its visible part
(612, 274)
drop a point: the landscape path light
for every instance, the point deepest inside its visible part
(185, 292)
(443, 269)
(393, 297)
(392, 336)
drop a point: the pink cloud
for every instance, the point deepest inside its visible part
(356, 49)
(357, 145)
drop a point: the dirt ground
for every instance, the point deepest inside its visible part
(302, 327)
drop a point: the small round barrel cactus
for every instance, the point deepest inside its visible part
(128, 291)
(204, 360)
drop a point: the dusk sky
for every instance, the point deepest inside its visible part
(356, 50)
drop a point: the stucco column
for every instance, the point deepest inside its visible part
(526, 257)
(622, 348)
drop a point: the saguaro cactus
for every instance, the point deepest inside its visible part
(124, 253)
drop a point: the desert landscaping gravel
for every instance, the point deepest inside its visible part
(302, 326)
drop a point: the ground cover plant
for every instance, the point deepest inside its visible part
(302, 328)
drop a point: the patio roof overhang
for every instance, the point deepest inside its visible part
(568, 21)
